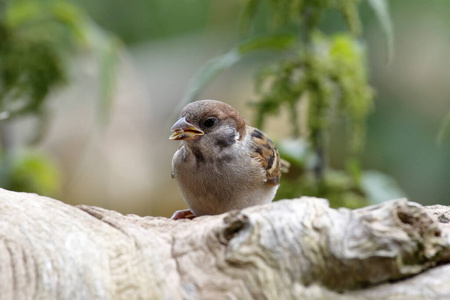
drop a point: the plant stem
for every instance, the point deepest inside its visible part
(309, 21)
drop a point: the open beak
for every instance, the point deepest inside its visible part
(183, 130)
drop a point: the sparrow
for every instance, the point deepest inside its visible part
(222, 163)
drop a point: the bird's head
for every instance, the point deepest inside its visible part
(209, 122)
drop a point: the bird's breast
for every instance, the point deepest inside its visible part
(218, 183)
(218, 167)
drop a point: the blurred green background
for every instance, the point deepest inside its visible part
(124, 163)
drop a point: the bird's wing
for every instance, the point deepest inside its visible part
(265, 152)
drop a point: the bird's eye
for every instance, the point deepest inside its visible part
(209, 122)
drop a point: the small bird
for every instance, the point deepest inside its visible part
(222, 163)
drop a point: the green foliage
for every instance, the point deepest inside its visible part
(38, 39)
(338, 186)
(332, 73)
(321, 70)
(381, 10)
(305, 13)
(328, 73)
(29, 64)
(34, 172)
(317, 77)
(218, 65)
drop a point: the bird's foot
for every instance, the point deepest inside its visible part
(183, 214)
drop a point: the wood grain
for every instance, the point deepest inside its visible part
(291, 249)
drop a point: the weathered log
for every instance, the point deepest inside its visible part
(290, 249)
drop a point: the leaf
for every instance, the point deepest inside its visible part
(445, 127)
(248, 13)
(210, 71)
(72, 18)
(380, 187)
(34, 172)
(104, 46)
(67, 28)
(297, 151)
(380, 7)
(270, 42)
(213, 68)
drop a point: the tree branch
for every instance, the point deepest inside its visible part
(289, 249)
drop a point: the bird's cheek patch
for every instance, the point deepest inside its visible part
(226, 140)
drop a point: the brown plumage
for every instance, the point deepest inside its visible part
(222, 164)
(266, 153)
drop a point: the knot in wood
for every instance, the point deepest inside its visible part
(443, 218)
(234, 221)
(416, 220)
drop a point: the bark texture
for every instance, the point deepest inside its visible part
(291, 249)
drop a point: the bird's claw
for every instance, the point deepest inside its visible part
(183, 214)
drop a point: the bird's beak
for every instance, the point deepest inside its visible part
(183, 130)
